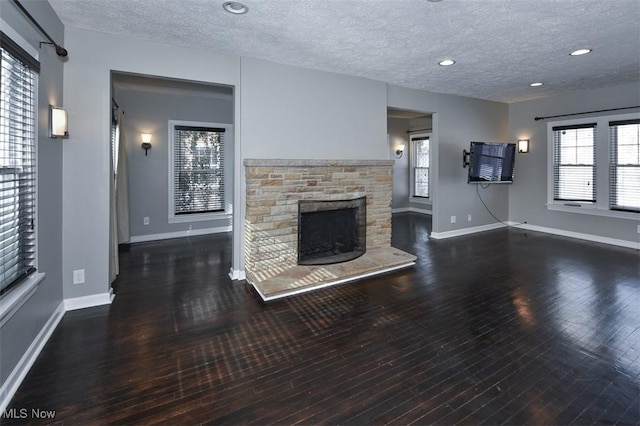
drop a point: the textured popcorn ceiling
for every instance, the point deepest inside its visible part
(500, 46)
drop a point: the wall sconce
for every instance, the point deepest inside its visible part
(57, 123)
(400, 151)
(146, 142)
(523, 145)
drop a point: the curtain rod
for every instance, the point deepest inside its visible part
(60, 51)
(418, 130)
(588, 112)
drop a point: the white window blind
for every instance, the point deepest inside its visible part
(574, 163)
(624, 165)
(420, 166)
(198, 170)
(17, 163)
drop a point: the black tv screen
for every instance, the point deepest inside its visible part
(491, 162)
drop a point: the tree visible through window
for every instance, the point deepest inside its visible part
(198, 170)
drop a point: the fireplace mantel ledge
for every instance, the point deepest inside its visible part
(276, 162)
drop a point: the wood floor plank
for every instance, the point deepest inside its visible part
(501, 327)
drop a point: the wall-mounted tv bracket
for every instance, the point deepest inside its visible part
(465, 158)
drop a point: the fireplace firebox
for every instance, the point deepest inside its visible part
(331, 231)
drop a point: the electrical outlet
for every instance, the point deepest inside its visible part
(453, 219)
(468, 218)
(78, 276)
(146, 220)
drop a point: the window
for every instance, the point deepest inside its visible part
(594, 166)
(574, 163)
(420, 166)
(197, 187)
(624, 181)
(17, 163)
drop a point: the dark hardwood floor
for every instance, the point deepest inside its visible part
(501, 327)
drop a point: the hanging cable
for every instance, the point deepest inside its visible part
(489, 210)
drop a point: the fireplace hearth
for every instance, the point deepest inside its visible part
(331, 231)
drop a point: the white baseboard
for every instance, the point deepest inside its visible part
(10, 386)
(237, 275)
(421, 211)
(578, 235)
(178, 234)
(411, 209)
(89, 301)
(400, 210)
(465, 231)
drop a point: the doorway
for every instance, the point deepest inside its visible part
(413, 172)
(143, 108)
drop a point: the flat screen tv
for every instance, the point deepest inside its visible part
(491, 162)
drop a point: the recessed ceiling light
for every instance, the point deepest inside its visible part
(580, 52)
(536, 84)
(446, 62)
(235, 7)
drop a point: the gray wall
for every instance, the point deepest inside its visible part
(19, 332)
(149, 112)
(292, 112)
(456, 121)
(463, 120)
(397, 130)
(528, 194)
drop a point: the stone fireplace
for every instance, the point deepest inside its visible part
(283, 194)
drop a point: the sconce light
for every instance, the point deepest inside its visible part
(146, 142)
(57, 123)
(523, 145)
(400, 151)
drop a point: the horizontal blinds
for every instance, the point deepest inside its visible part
(624, 165)
(198, 169)
(17, 164)
(421, 166)
(574, 163)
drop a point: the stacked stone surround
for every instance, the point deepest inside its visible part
(274, 188)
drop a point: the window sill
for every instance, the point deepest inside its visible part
(15, 298)
(594, 211)
(421, 200)
(199, 217)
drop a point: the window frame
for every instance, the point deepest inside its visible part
(559, 166)
(412, 167)
(603, 149)
(197, 217)
(18, 293)
(615, 166)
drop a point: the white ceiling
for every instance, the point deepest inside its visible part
(500, 46)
